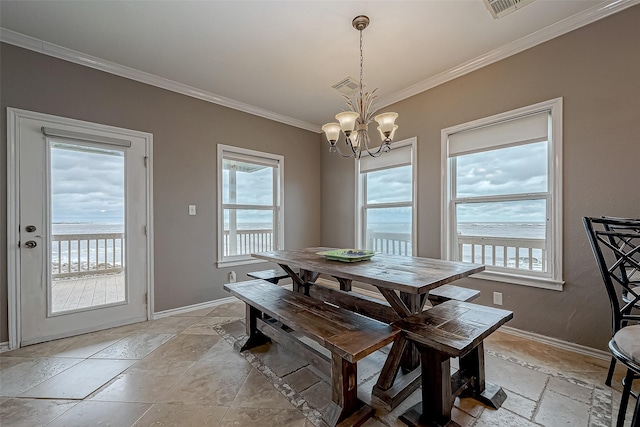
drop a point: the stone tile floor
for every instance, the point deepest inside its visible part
(183, 371)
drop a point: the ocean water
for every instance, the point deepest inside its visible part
(91, 253)
(106, 250)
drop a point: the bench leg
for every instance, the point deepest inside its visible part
(472, 366)
(345, 408)
(437, 400)
(256, 338)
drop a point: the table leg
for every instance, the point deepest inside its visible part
(298, 282)
(411, 357)
(392, 387)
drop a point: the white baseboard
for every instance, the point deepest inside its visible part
(4, 346)
(558, 343)
(194, 307)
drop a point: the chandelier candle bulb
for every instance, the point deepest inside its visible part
(390, 138)
(332, 130)
(386, 122)
(347, 121)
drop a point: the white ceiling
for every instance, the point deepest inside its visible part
(281, 57)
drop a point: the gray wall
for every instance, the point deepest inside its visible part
(185, 132)
(596, 69)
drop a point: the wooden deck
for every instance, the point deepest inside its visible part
(84, 292)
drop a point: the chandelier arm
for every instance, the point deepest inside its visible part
(339, 151)
(383, 148)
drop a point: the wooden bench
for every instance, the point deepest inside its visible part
(348, 336)
(451, 329)
(450, 292)
(273, 276)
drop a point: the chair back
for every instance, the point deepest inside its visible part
(616, 246)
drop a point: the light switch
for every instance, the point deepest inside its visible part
(192, 209)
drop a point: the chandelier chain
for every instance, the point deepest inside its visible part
(361, 68)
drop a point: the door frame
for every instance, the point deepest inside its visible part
(14, 116)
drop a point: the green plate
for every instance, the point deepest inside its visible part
(348, 255)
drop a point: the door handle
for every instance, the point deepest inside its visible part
(31, 244)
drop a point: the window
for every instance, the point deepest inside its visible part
(386, 195)
(250, 188)
(502, 195)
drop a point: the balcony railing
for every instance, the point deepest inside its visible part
(86, 254)
(509, 252)
(247, 241)
(506, 252)
(389, 243)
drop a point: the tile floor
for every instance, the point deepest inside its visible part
(184, 371)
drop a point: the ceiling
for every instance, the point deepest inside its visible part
(279, 59)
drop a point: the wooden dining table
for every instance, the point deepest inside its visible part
(403, 281)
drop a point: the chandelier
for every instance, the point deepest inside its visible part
(355, 123)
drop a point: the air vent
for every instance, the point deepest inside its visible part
(500, 8)
(346, 85)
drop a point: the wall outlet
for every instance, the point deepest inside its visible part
(497, 298)
(232, 277)
(192, 209)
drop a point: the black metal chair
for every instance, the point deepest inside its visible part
(616, 246)
(625, 347)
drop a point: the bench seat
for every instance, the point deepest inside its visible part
(451, 329)
(342, 332)
(348, 336)
(451, 292)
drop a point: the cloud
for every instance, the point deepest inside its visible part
(86, 186)
(512, 170)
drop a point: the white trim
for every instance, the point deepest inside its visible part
(13, 198)
(558, 343)
(31, 43)
(552, 31)
(554, 276)
(194, 307)
(83, 330)
(515, 279)
(248, 261)
(278, 188)
(13, 202)
(4, 346)
(412, 143)
(150, 230)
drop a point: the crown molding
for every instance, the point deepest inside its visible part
(552, 31)
(555, 30)
(31, 43)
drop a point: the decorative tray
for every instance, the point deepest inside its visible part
(348, 255)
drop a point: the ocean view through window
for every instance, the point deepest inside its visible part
(502, 195)
(386, 195)
(249, 204)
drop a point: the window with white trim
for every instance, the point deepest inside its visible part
(502, 195)
(250, 189)
(386, 200)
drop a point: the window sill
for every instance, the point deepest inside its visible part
(236, 262)
(517, 279)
